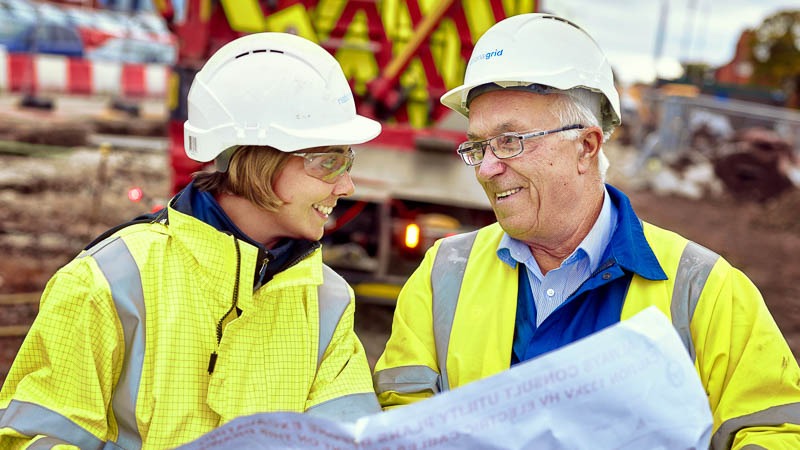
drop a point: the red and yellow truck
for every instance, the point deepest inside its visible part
(400, 56)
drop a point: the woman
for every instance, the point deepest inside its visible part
(219, 306)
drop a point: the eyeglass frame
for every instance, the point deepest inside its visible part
(350, 155)
(462, 152)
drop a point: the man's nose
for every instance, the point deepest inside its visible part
(490, 166)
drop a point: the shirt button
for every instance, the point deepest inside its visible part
(551, 292)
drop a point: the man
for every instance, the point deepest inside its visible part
(568, 256)
(220, 305)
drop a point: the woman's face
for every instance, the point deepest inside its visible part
(307, 199)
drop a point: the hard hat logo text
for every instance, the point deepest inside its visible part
(488, 55)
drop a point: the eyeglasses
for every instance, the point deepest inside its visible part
(504, 146)
(327, 166)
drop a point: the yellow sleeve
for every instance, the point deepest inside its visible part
(411, 346)
(66, 367)
(344, 369)
(751, 377)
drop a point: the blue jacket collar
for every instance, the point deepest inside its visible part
(203, 206)
(629, 247)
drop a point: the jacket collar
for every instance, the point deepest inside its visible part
(629, 246)
(204, 207)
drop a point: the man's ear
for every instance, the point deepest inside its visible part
(591, 141)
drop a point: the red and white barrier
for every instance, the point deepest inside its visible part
(22, 72)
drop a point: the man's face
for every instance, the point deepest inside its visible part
(535, 194)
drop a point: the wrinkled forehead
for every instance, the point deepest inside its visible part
(507, 110)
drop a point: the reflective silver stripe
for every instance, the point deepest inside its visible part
(33, 420)
(122, 273)
(406, 380)
(447, 275)
(773, 416)
(347, 408)
(48, 443)
(45, 443)
(693, 270)
(333, 298)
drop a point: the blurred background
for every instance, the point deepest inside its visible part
(93, 99)
(95, 30)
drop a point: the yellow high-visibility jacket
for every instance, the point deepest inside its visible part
(449, 332)
(121, 351)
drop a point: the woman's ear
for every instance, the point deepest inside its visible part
(591, 141)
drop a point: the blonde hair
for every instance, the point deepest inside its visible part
(251, 173)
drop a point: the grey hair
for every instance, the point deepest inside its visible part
(584, 107)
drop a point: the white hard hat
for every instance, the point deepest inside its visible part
(538, 49)
(272, 89)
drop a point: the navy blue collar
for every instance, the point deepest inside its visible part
(203, 206)
(628, 246)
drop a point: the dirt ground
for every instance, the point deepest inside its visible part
(53, 202)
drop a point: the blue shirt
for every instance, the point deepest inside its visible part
(598, 301)
(549, 291)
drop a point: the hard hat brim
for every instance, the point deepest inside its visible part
(357, 130)
(456, 98)
(208, 144)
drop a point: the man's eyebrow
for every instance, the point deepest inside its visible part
(504, 127)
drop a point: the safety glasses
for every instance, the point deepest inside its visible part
(327, 166)
(504, 146)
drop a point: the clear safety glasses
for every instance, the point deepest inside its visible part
(504, 146)
(328, 166)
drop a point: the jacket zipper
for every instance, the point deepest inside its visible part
(264, 262)
(303, 256)
(213, 359)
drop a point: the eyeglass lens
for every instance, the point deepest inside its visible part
(328, 166)
(504, 146)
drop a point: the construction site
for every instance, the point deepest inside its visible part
(57, 198)
(723, 173)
